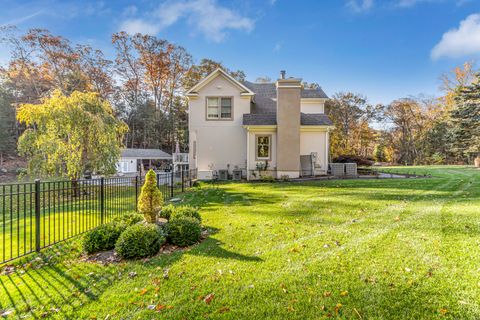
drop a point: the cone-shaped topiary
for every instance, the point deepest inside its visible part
(150, 201)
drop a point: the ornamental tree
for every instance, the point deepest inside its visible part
(150, 201)
(69, 135)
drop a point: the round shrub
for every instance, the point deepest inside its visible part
(167, 211)
(183, 231)
(140, 241)
(103, 237)
(129, 219)
(186, 212)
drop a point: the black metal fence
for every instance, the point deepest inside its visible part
(35, 215)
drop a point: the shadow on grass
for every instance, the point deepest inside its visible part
(55, 283)
(415, 189)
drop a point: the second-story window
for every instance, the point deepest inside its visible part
(219, 108)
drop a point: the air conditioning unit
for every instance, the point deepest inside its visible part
(237, 175)
(222, 174)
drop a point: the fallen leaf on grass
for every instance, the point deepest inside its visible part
(338, 307)
(209, 298)
(443, 311)
(143, 291)
(344, 293)
(327, 293)
(224, 309)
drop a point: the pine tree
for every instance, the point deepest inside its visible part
(7, 124)
(150, 201)
(466, 118)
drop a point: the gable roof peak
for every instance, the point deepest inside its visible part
(219, 71)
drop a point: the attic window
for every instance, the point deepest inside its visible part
(219, 108)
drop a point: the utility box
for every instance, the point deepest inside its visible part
(337, 169)
(351, 169)
(237, 175)
(222, 174)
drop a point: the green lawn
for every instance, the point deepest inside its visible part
(354, 249)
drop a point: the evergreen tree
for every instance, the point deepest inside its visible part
(465, 118)
(150, 201)
(7, 125)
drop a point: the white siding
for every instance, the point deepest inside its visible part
(127, 165)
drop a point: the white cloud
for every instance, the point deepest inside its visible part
(133, 26)
(20, 20)
(460, 42)
(360, 5)
(203, 16)
(206, 16)
(412, 3)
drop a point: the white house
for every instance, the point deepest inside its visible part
(241, 127)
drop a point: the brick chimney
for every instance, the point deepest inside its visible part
(288, 126)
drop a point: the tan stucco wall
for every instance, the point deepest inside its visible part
(316, 141)
(219, 142)
(288, 127)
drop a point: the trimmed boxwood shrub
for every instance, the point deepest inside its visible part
(167, 211)
(185, 212)
(140, 241)
(103, 237)
(183, 231)
(129, 219)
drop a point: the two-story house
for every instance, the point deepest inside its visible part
(257, 128)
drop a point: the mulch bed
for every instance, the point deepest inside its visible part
(108, 257)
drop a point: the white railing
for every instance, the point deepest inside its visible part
(180, 158)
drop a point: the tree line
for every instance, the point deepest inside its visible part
(412, 130)
(145, 82)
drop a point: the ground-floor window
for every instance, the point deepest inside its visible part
(263, 146)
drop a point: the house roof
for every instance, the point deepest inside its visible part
(145, 154)
(270, 119)
(266, 95)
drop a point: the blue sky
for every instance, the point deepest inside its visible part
(384, 49)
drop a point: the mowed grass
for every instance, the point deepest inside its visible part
(353, 249)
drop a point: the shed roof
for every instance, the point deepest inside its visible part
(145, 154)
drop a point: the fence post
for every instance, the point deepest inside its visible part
(171, 183)
(102, 200)
(136, 192)
(183, 181)
(37, 215)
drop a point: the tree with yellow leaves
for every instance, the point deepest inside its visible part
(69, 135)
